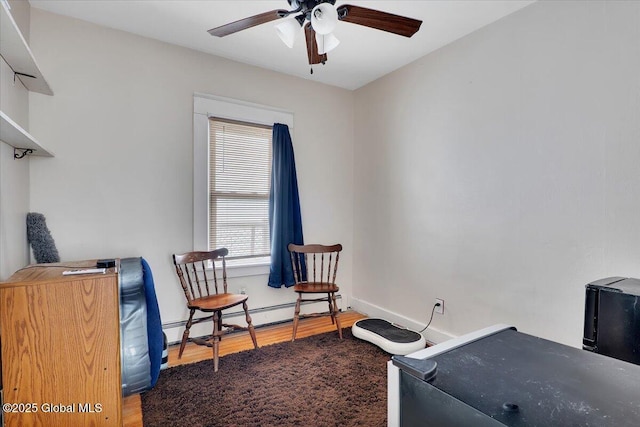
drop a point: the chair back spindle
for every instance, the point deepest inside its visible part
(324, 263)
(195, 278)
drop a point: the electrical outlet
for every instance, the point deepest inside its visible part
(439, 309)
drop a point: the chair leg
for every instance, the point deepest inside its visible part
(296, 317)
(216, 339)
(333, 320)
(334, 315)
(185, 334)
(252, 332)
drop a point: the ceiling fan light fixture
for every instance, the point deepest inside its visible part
(319, 18)
(288, 31)
(326, 43)
(324, 18)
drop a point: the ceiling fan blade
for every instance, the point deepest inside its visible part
(243, 24)
(312, 47)
(379, 20)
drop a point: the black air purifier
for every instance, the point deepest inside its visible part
(612, 318)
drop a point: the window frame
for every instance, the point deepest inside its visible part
(204, 107)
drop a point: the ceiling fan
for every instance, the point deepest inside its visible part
(319, 18)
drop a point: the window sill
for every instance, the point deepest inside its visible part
(247, 270)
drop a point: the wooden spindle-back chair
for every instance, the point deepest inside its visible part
(203, 276)
(314, 270)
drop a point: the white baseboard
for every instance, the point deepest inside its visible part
(432, 335)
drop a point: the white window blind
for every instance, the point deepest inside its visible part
(239, 181)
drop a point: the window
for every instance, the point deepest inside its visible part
(239, 179)
(206, 110)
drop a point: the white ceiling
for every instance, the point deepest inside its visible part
(363, 55)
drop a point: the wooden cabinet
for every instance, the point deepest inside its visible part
(60, 341)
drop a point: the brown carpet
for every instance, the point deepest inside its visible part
(316, 381)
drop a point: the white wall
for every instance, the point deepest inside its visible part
(501, 173)
(14, 174)
(121, 124)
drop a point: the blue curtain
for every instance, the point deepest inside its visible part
(285, 221)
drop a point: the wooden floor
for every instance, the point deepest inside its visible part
(132, 412)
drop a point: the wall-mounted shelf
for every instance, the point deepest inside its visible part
(15, 136)
(15, 51)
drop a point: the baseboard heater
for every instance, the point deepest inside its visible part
(290, 305)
